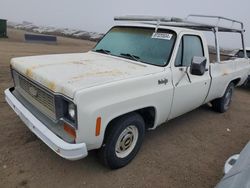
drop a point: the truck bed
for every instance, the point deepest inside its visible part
(223, 57)
(226, 71)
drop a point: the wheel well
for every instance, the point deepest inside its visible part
(236, 81)
(148, 114)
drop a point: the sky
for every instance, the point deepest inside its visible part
(97, 15)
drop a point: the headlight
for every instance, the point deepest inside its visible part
(72, 111)
(66, 110)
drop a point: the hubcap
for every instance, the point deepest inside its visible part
(228, 98)
(126, 141)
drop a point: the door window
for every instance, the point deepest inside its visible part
(189, 47)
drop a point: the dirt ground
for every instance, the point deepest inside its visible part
(189, 151)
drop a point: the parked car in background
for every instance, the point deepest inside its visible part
(237, 170)
(240, 54)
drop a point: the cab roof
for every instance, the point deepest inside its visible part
(176, 29)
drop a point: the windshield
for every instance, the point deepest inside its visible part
(140, 44)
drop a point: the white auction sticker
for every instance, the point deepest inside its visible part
(164, 36)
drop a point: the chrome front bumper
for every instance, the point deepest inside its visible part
(62, 148)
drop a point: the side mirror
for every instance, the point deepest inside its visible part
(198, 66)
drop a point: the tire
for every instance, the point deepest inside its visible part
(222, 104)
(247, 82)
(122, 141)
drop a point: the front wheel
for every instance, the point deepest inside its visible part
(222, 104)
(122, 141)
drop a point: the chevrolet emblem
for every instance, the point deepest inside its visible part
(33, 91)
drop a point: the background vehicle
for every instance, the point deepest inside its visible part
(237, 170)
(240, 54)
(138, 76)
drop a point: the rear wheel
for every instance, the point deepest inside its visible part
(122, 141)
(222, 104)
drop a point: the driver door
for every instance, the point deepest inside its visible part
(190, 91)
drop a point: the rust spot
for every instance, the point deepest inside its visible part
(225, 72)
(52, 86)
(62, 90)
(56, 64)
(97, 74)
(29, 72)
(84, 62)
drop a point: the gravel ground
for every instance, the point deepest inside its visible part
(189, 151)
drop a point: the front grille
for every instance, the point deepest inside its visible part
(37, 96)
(42, 97)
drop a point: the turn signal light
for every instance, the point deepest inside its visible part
(71, 131)
(98, 126)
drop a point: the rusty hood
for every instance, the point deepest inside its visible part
(68, 73)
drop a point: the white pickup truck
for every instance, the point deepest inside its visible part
(139, 76)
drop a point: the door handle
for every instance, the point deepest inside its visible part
(181, 69)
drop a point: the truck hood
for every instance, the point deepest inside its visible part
(67, 73)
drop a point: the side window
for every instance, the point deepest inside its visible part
(190, 46)
(178, 59)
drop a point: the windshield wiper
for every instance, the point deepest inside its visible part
(103, 51)
(130, 56)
